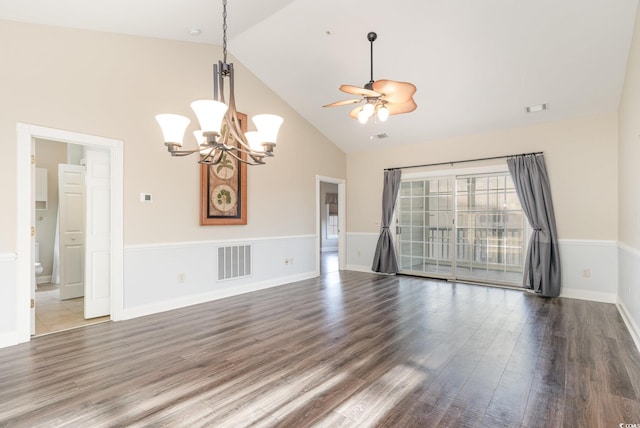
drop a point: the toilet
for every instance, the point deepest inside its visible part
(38, 265)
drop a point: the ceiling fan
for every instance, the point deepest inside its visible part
(381, 98)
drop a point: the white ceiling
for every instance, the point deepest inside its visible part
(476, 64)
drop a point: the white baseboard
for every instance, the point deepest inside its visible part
(9, 339)
(325, 249)
(168, 305)
(594, 296)
(43, 279)
(360, 268)
(633, 328)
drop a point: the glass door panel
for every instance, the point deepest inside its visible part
(486, 243)
(425, 226)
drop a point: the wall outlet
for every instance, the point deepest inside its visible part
(288, 261)
(181, 277)
(586, 273)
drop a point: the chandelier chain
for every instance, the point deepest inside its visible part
(224, 30)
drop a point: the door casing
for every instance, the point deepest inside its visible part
(342, 247)
(26, 133)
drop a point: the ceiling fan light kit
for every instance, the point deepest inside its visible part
(220, 130)
(381, 98)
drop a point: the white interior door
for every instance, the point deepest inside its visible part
(71, 191)
(97, 300)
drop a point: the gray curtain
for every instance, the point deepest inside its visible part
(542, 269)
(384, 259)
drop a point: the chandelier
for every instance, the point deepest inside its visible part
(220, 133)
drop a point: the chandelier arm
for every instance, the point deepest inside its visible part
(233, 123)
(210, 157)
(204, 157)
(180, 153)
(240, 138)
(257, 160)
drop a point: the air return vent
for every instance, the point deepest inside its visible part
(234, 261)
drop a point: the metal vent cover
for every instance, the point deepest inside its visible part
(234, 261)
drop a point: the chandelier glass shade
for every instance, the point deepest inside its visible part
(220, 130)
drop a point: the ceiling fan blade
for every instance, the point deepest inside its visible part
(356, 90)
(343, 103)
(355, 111)
(399, 108)
(395, 92)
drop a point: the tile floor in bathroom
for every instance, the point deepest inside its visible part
(53, 314)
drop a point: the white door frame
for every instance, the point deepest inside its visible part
(342, 201)
(25, 264)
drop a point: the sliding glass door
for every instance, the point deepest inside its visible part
(467, 227)
(426, 229)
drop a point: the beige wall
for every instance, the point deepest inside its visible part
(581, 157)
(629, 148)
(112, 86)
(628, 183)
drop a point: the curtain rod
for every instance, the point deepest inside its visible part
(462, 161)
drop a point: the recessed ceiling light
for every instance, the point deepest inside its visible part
(536, 108)
(195, 32)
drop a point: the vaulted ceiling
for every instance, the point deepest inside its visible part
(476, 64)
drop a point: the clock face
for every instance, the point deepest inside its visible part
(226, 168)
(223, 198)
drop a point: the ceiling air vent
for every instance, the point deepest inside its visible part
(536, 108)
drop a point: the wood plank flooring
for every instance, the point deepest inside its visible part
(346, 349)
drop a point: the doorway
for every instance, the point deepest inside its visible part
(467, 227)
(330, 224)
(26, 214)
(60, 237)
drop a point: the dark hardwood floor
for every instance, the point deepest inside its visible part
(347, 349)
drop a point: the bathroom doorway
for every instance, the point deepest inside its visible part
(60, 200)
(104, 246)
(330, 215)
(60, 264)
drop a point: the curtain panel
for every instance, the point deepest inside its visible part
(384, 259)
(542, 263)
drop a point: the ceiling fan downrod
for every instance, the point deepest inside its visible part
(372, 36)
